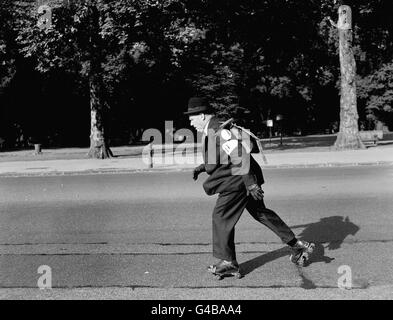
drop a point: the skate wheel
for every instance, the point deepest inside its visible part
(238, 275)
(218, 277)
(301, 261)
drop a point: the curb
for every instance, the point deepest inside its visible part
(329, 164)
(162, 170)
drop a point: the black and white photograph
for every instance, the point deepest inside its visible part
(209, 151)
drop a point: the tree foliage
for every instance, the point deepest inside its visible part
(8, 49)
(376, 91)
(253, 59)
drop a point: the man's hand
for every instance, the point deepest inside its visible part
(256, 192)
(198, 170)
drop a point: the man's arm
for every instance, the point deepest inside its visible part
(241, 161)
(213, 154)
(242, 166)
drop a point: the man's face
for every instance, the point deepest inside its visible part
(198, 122)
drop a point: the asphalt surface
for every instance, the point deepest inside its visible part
(148, 236)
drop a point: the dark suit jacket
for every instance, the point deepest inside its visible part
(227, 173)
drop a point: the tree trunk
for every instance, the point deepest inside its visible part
(348, 136)
(99, 148)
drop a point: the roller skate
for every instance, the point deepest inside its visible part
(225, 269)
(301, 252)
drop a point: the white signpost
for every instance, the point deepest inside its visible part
(269, 124)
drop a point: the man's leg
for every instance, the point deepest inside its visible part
(226, 213)
(301, 250)
(271, 220)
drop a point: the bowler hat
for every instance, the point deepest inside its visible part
(197, 105)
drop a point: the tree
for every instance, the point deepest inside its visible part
(101, 41)
(9, 56)
(376, 90)
(73, 43)
(376, 66)
(348, 136)
(8, 48)
(261, 58)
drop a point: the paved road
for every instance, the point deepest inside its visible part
(147, 236)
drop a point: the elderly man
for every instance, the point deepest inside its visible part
(237, 178)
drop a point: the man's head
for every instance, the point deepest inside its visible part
(199, 113)
(199, 121)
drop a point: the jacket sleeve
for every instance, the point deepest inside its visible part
(241, 164)
(201, 167)
(212, 156)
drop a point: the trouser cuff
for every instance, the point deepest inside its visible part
(292, 242)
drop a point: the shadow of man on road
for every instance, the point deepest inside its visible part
(330, 231)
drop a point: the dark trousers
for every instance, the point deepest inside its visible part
(228, 209)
